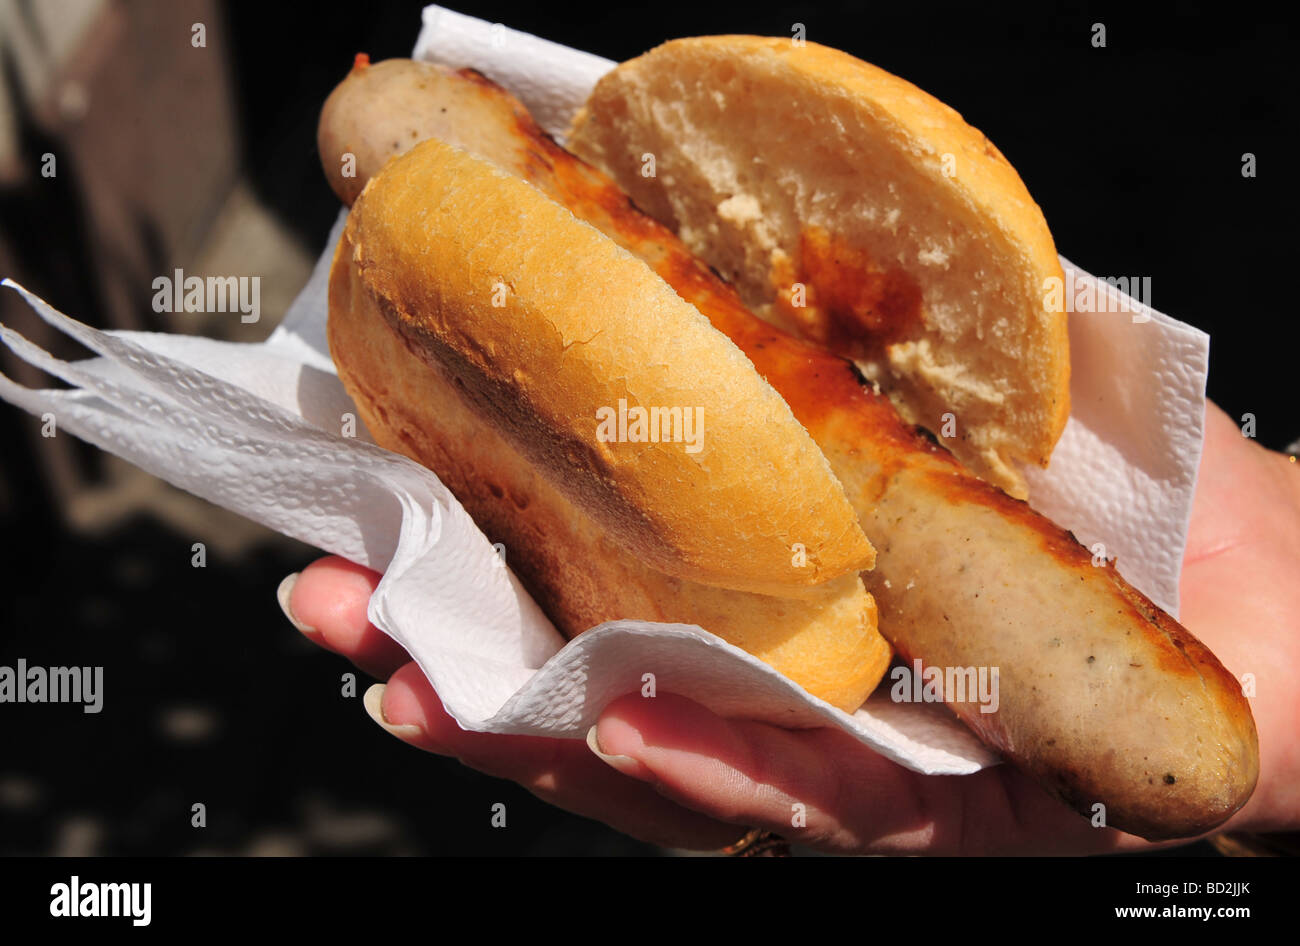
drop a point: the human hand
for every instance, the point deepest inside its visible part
(672, 773)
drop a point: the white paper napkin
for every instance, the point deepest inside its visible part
(257, 429)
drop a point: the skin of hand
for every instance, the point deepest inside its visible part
(668, 771)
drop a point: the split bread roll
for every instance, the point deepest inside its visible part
(850, 207)
(501, 402)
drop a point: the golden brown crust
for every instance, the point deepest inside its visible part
(580, 574)
(560, 336)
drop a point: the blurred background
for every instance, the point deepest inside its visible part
(171, 155)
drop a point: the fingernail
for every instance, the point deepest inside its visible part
(374, 704)
(621, 763)
(282, 594)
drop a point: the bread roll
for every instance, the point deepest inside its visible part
(856, 210)
(436, 376)
(551, 327)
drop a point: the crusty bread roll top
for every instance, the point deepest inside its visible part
(851, 207)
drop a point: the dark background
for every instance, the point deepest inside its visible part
(1133, 151)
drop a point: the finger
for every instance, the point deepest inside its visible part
(823, 788)
(563, 772)
(327, 601)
